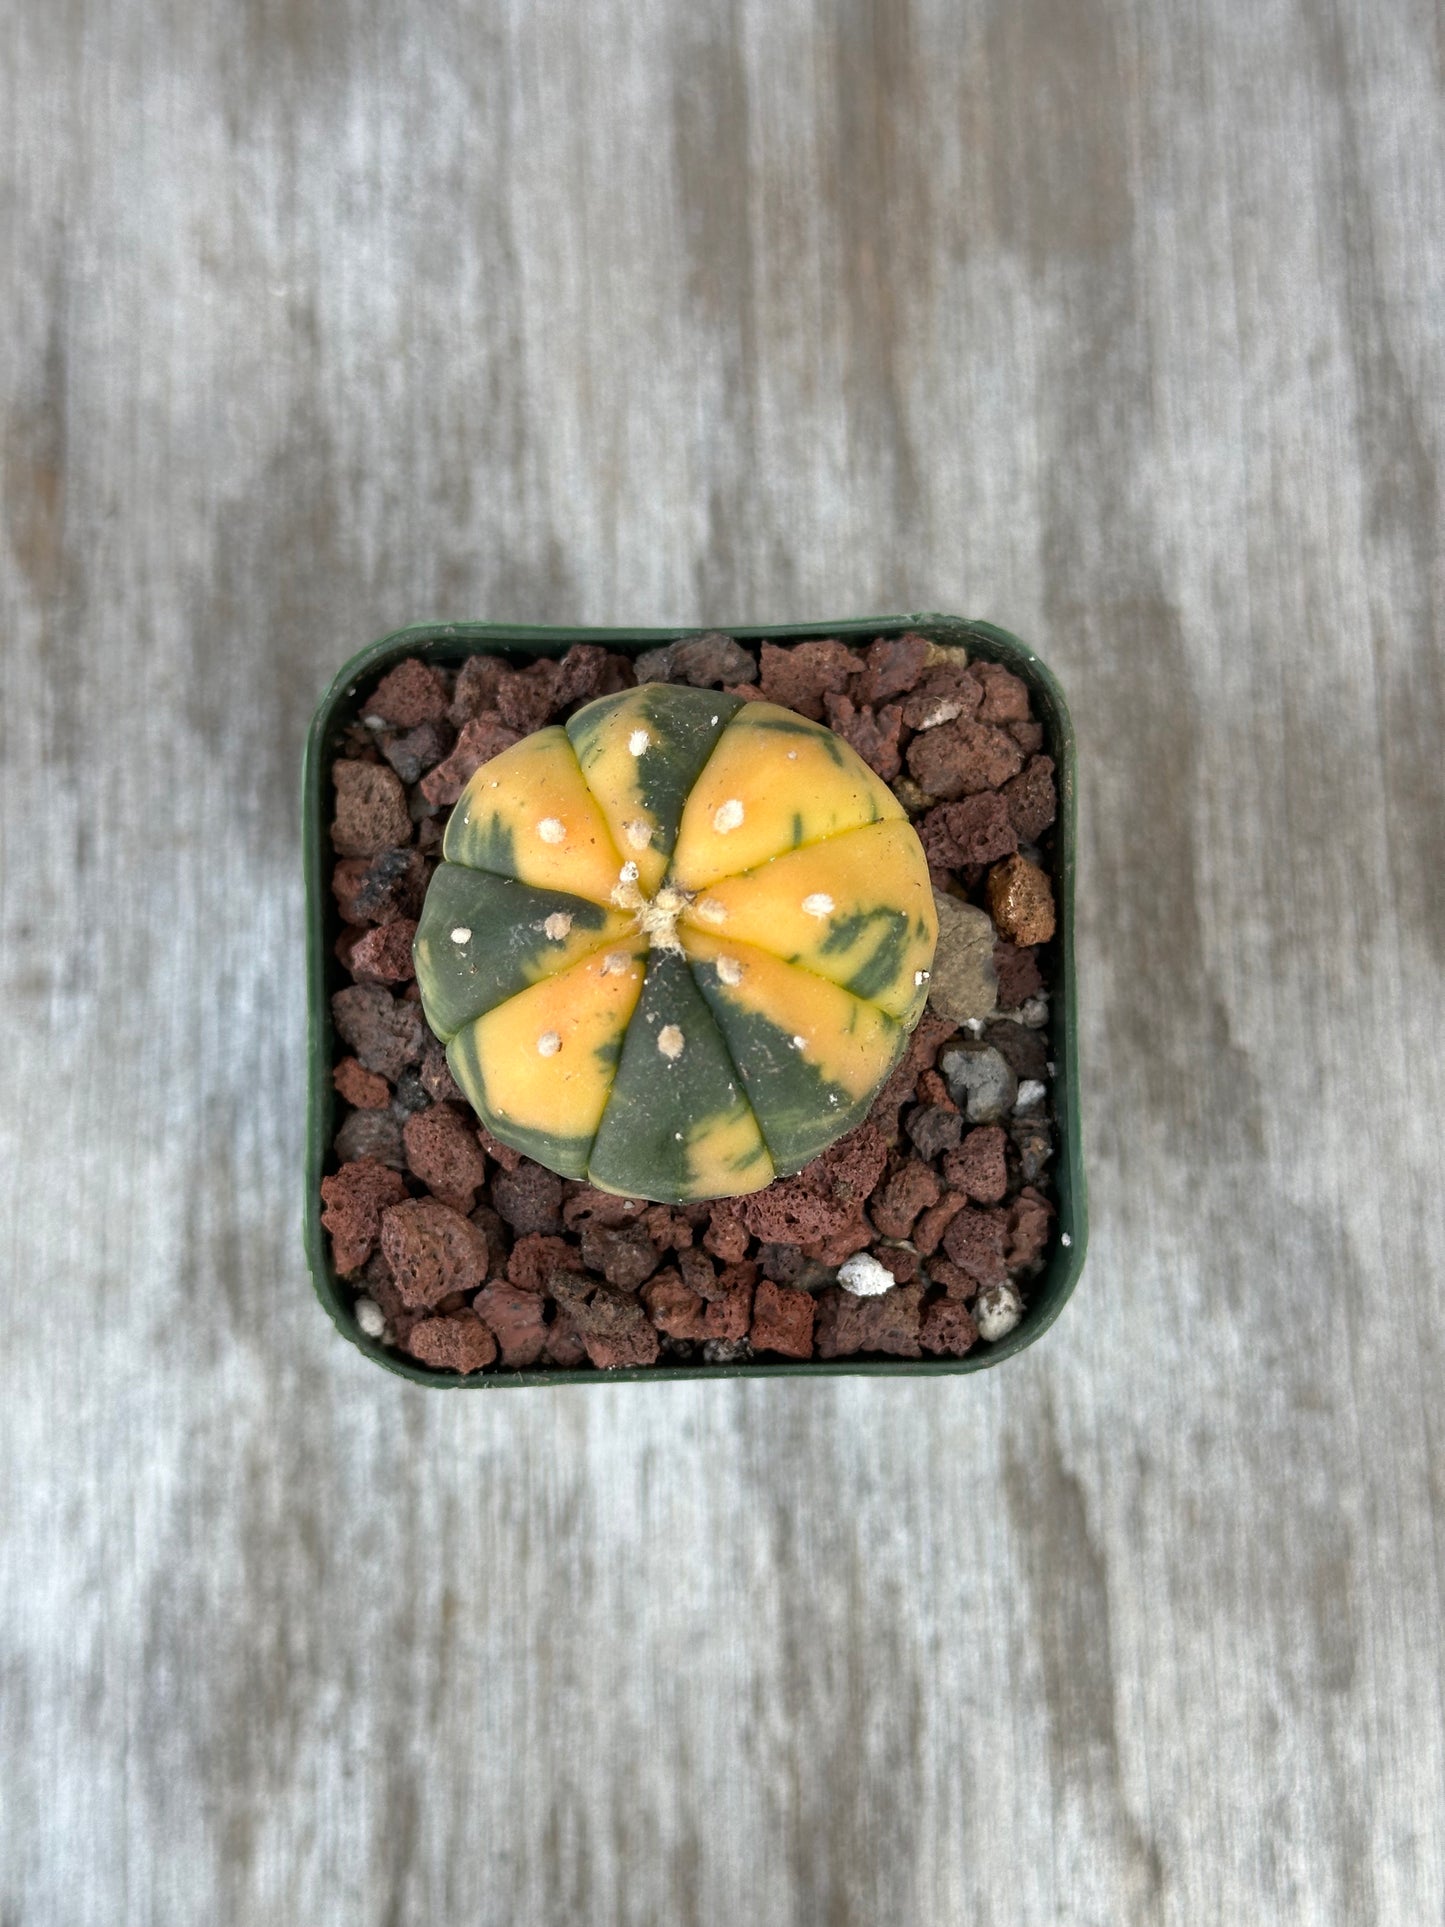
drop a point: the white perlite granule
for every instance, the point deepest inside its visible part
(550, 830)
(820, 904)
(864, 1276)
(669, 1041)
(638, 741)
(1031, 1095)
(548, 1044)
(370, 1317)
(996, 1311)
(727, 816)
(557, 925)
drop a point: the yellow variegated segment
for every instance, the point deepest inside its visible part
(775, 781)
(546, 1058)
(529, 814)
(611, 762)
(726, 1155)
(856, 909)
(847, 1042)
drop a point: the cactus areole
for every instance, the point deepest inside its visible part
(675, 946)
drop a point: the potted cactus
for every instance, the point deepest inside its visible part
(644, 1008)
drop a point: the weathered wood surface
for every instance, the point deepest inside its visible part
(1119, 324)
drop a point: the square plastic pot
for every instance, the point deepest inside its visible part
(450, 643)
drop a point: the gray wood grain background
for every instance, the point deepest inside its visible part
(1121, 325)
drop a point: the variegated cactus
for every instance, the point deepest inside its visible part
(676, 946)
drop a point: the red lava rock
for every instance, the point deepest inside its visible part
(698, 1272)
(412, 693)
(459, 1342)
(564, 1347)
(393, 885)
(854, 1235)
(1031, 799)
(946, 693)
(704, 661)
(1018, 974)
(934, 1128)
(1005, 698)
(581, 674)
(911, 1189)
(529, 1198)
(482, 738)
(442, 1150)
(432, 1251)
(383, 954)
(931, 1089)
(370, 1134)
(930, 1227)
(413, 753)
(436, 1080)
(499, 1153)
(892, 666)
(516, 1319)
(527, 697)
(782, 1263)
(668, 1230)
(874, 735)
(535, 1257)
(976, 829)
(476, 688)
(1021, 901)
(887, 1323)
(371, 810)
(625, 1256)
(975, 1242)
(355, 1197)
(1029, 736)
(800, 677)
(1022, 1049)
(977, 1168)
(674, 1308)
(923, 1048)
(947, 1328)
(615, 1329)
(726, 1236)
(901, 1260)
(385, 1032)
(782, 1321)
(824, 1197)
(346, 881)
(730, 1310)
(961, 758)
(360, 1087)
(1028, 1228)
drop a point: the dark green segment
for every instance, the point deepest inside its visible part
(684, 725)
(492, 848)
(801, 1111)
(891, 932)
(641, 1145)
(507, 947)
(565, 1155)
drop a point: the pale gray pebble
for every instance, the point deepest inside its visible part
(1034, 1012)
(1035, 1142)
(964, 983)
(1031, 1096)
(727, 1351)
(411, 1094)
(980, 1082)
(370, 1317)
(371, 1134)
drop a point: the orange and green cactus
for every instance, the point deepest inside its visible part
(676, 946)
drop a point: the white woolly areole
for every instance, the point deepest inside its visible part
(730, 970)
(800, 1043)
(638, 833)
(669, 1041)
(614, 963)
(370, 1317)
(638, 741)
(548, 1044)
(820, 904)
(550, 830)
(996, 1311)
(864, 1276)
(711, 911)
(727, 816)
(461, 934)
(557, 925)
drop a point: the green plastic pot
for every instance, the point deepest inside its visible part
(449, 643)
